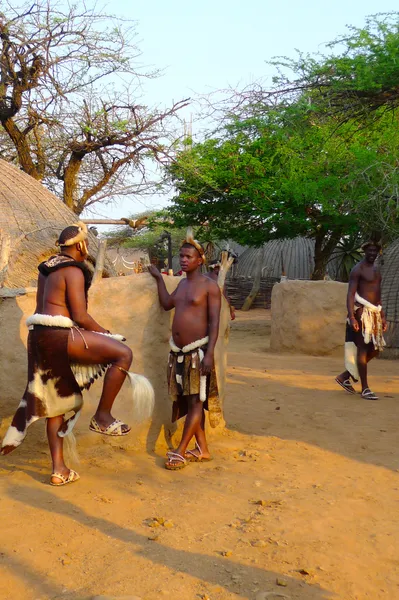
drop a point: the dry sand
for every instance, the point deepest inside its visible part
(300, 503)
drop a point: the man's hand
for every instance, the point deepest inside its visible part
(384, 324)
(207, 364)
(154, 271)
(354, 324)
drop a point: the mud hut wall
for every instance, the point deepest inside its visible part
(308, 317)
(126, 305)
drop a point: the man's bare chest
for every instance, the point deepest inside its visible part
(191, 296)
(370, 275)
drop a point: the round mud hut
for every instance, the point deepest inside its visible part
(293, 258)
(31, 219)
(290, 257)
(390, 295)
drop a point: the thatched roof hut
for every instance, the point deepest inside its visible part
(390, 282)
(31, 218)
(294, 256)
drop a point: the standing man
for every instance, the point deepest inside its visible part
(191, 369)
(366, 321)
(67, 351)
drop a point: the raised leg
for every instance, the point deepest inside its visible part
(103, 350)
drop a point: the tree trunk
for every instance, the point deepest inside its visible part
(71, 182)
(322, 255)
(255, 288)
(100, 260)
(22, 147)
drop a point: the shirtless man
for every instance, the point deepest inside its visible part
(213, 273)
(63, 332)
(366, 322)
(195, 329)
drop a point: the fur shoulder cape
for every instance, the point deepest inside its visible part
(60, 261)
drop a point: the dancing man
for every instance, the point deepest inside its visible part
(366, 322)
(191, 369)
(67, 351)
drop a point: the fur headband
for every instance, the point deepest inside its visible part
(371, 243)
(79, 237)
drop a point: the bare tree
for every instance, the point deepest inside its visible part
(70, 84)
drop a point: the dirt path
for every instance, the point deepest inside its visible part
(303, 492)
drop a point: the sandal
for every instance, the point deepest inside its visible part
(348, 387)
(113, 430)
(367, 394)
(197, 457)
(72, 476)
(175, 461)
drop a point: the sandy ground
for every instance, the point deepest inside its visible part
(300, 503)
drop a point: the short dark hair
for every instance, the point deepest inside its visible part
(67, 234)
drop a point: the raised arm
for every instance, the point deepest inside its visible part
(214, 303)
(166, 300)
(76, 300)
(350, 300)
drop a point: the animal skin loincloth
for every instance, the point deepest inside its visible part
(52, 389)
(371, 330)
(185, 379)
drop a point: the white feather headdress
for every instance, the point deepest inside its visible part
(190, 240)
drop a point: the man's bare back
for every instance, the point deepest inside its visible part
(51, 294)
(62, 292)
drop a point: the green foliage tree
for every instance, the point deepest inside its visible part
(358, 79)
(62, 120)
(149, 237)
(283, 174)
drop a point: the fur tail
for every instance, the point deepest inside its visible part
(71, 448)
(143, 397)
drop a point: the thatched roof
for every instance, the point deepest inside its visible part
(31, 219)
(390, 281)
(295, 256)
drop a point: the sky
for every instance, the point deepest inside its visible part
(203, 46)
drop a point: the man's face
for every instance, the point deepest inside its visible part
(371, 253)
(189, 259)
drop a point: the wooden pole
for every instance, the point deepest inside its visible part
(100, 260)
(256, 286)
(133, 223)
